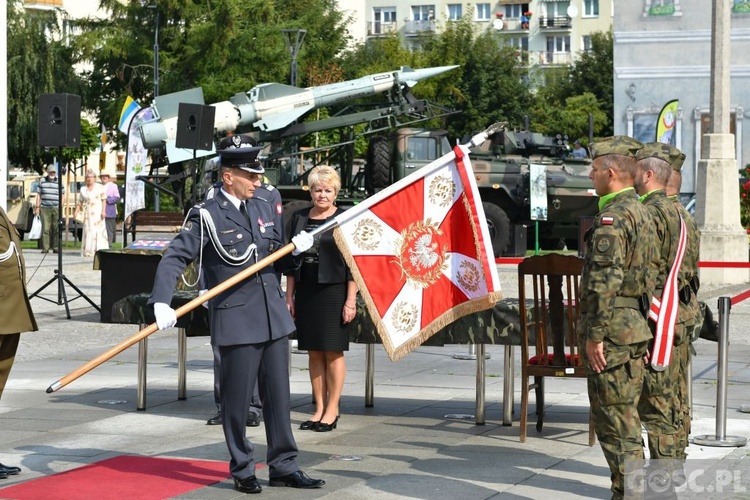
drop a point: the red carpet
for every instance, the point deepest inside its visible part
(123, 477)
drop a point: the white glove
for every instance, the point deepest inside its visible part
(201, 292)
(165, 315)
(302, 242)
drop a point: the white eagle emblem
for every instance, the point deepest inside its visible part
(423, 255)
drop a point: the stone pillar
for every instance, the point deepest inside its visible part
(718, 193)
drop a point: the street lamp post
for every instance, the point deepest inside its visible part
(155, 7)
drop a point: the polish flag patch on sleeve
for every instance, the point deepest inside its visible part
(607, 220)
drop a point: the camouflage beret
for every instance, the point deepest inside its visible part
(666, 152)
(615, 145)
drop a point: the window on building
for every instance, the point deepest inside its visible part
(518, 42)
(423, 12)
(706, 123)
(586, 43)
(455, 11)
(590, 8)
(558, 50)
(555, 9)
(483, 12)
(384, 20)
(514, 11)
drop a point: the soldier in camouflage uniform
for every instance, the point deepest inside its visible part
(690, 313)
(618, 276)
(660, 406)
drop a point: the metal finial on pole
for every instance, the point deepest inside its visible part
(293, 40)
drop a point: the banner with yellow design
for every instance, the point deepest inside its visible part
(420, 252)
(666, 125)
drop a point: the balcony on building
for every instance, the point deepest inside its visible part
(546, 58)
(513, 24)
(562, 23)
(380, 28)
(412, 27)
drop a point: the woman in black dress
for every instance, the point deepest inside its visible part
(322, 297)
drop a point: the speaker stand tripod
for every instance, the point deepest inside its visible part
(60, 278)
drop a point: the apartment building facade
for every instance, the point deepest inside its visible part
(547, 33)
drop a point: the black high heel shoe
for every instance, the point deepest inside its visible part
(323, 427)
(308, 425)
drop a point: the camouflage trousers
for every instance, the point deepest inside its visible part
(614, 396)
(664, 408)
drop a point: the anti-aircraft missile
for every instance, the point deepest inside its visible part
(273, 106)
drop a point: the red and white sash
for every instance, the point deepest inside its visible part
(664, 312)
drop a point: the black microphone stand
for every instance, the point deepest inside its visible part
(59, 276)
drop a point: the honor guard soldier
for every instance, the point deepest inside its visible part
(249, 322)
(618, 276)
(660, 406)
(690, 315)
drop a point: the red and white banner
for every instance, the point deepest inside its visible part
(664, 312)
(420, 252)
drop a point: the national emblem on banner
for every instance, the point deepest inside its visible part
(421, 254)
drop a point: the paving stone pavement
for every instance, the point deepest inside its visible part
(404, 446)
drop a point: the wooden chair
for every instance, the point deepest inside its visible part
(554, 280)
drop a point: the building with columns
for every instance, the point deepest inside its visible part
(662, 51)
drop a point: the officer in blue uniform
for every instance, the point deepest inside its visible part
(249, 322)
(266, 193)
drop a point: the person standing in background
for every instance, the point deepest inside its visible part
(578, 150)
(15, 308)
(322, 297)
(113, 196)
(48, 208)
(92, 200)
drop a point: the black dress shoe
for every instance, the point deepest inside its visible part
(297, 479)
(307, 425)
(9, 470)
(247, 485)
(253, 420)
(215, 420)
(3, 474)
(323, 427)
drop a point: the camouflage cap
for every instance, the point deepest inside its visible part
(615, 145)
(663, 151)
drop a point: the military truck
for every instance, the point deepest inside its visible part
(22, 187)
(501, 167)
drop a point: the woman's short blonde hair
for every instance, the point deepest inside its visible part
(324, 175)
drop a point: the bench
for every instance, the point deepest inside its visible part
(155, 222)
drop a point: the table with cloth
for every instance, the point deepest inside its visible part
(499, 325)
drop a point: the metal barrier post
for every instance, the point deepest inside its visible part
(480, 385)
(721, 439)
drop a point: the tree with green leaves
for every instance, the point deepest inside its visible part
(587, 84)
(38, 63)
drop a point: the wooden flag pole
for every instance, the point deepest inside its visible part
(181, 311)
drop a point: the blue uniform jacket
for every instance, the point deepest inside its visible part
(253, 311)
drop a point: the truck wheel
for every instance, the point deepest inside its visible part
(288, 209)
(499, 226)
(378, 167)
